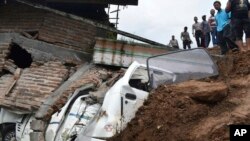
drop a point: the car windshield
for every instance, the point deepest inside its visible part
(180, 66)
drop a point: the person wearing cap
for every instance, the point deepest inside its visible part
(224, 33)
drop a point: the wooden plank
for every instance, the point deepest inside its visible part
(26, 34)
(9, 88)
(12, 84)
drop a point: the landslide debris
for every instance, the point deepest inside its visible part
(196, 110)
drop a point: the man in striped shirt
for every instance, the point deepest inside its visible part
(212, 24)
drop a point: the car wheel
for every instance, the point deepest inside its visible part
(9, 133)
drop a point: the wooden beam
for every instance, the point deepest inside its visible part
(116, 2)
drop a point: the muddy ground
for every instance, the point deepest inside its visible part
(196, 110)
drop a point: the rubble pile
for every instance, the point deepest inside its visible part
(45, 85)
(24, 89)
(196, 110)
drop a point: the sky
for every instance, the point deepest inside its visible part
(158, 20)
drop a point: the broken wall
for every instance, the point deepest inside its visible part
(51, 27)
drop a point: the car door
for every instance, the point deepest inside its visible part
(133, 94)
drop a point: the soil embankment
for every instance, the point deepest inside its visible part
(196, 110)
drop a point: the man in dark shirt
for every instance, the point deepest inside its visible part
(186, 39)
(239, 17)
(206, 31)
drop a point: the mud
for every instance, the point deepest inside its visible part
(196, 110)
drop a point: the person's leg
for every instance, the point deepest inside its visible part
(228, 37)
(201, 38)
(231, 44)
(197, 39)
(248, 43)
(207, 39)
(239, 43)
(247, 31)
(238, 30)
(188, 44)
(222, 43)
(216, 38)
(213, 34)
(184, 45)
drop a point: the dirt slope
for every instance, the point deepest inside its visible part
(196, 110)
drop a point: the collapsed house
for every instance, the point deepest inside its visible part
(45, 49)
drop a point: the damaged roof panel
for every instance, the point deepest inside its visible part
(45, 83)
(24, 90)
(33, 86)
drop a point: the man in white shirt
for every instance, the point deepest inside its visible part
(186, 39)
(173, 43)
(197, 32)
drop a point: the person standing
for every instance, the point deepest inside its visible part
(240, 21)
(212, 24)
(186, 39)
(174, 43)
(224, 30)
(205, 31)
(196, 31)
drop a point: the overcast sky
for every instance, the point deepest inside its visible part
(158, 20)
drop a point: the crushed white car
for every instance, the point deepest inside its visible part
(89, 118)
